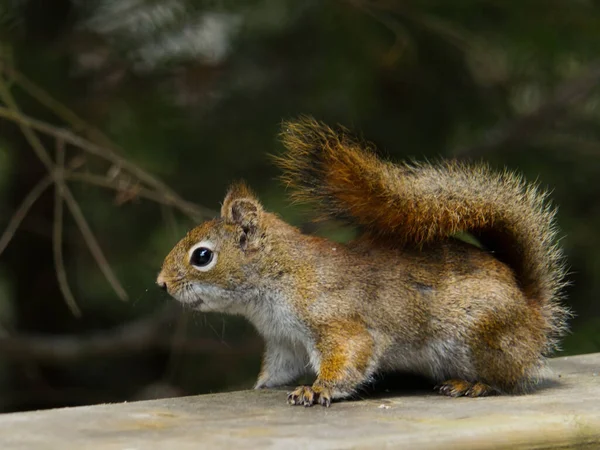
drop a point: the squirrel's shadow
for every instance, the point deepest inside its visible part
(399, 384)
(391, 384)
(402, 384)
(396, 384)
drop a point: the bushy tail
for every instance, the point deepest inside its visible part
(420, 203)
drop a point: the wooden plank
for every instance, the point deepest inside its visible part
(563, 413)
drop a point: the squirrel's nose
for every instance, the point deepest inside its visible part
(160, 281)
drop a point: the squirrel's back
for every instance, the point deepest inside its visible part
(420, 203)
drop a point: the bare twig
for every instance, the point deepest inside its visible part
(72, 204)
(92, 244)
(57, 233)
(523, 128)
(141, 335)
(22, 211)
(192, 210)
(58, 108)
(102, 181)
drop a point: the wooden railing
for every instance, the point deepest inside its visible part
(563, 413)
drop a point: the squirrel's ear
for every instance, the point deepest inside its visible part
(242, 208)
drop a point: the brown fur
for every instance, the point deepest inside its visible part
(420, 203)
(405, 294)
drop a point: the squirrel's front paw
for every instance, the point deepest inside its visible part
(308, 396)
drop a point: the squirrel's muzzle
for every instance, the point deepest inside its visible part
(160, 281)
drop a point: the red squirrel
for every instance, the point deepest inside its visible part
(406, 294)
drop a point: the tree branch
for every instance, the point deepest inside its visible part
(58, 108)
(68, 197)
(22, 211)
(57, 234)
(195, 212)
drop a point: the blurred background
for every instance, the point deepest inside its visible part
(122, 122)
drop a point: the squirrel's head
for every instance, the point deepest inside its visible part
(216, 265)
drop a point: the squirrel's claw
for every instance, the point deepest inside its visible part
(307, 396)
(325, 398)
(302, 395)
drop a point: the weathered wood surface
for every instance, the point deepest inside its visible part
(565, 413)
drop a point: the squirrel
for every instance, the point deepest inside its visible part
(406, 294)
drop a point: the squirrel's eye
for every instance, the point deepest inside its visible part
(201, 257)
